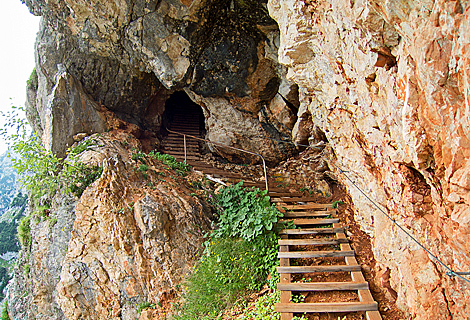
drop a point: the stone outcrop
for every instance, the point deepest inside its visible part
(129, 56)
(128, 239)
(387, 83)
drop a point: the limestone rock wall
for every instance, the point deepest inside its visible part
(387, 82)
(126, 240)
(129, 56)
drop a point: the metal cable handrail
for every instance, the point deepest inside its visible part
(450, 272)
(223, 146)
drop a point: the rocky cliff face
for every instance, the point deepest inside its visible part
(384, 83)
(388, 84)
(127, 240)
(129, 56)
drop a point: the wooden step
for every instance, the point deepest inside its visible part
(179, 149)
(310, 231)
(181, 158)
(180, 140)
(309, 269)
(326, 307)
(311, 222)
(278, 194)
(295, 199)
(316, 254)
(182, 153)
(302, 214)
(309, 206)
(323, 286)
(310, 242)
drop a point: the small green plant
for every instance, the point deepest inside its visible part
(145, 305)
(264, 308)
(245, 213)
(196, 185)
(52, 222)
(336, 203)
(26, 269)
(299, 318)
(297, 298)
(143, 167)
(5, 315)
(302, 189)
(179, 167)
(24, 232)
(33, 76)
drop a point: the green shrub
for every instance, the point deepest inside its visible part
(5, 315)
(228, 269)
(238, 258)
(179, 167)
(43, 173)
(246, 213)
(145, 305)
(24, 232)
(264, 308)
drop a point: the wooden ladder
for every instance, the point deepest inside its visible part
(314, 219)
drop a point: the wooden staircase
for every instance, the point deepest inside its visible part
(319, 228)
(319, 233)
(186, 122)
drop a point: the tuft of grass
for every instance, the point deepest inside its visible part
(24, 232)
(26, 269)
(5, 315)
(228, 269)
(32, 77)
(52, 222)
(145, 305)
(336, 203)
(264, 308)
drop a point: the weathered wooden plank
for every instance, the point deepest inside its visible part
(310, 242)
(322, 286)
(308, 269)
(288, 199)
(325, 307)
(274, 193)
(364, 295)
(297, 207)
(315, 254)
(311, 222)
(310, 231)
(302, 214)
(285, 279)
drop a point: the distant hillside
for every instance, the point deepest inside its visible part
(12, 206)
(8, 183)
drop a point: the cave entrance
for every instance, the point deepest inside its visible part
(184, 116)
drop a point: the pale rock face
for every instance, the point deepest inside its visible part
(387, 82)
(129, 56)
(230, 126)
(117, 246)
(124, 255)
